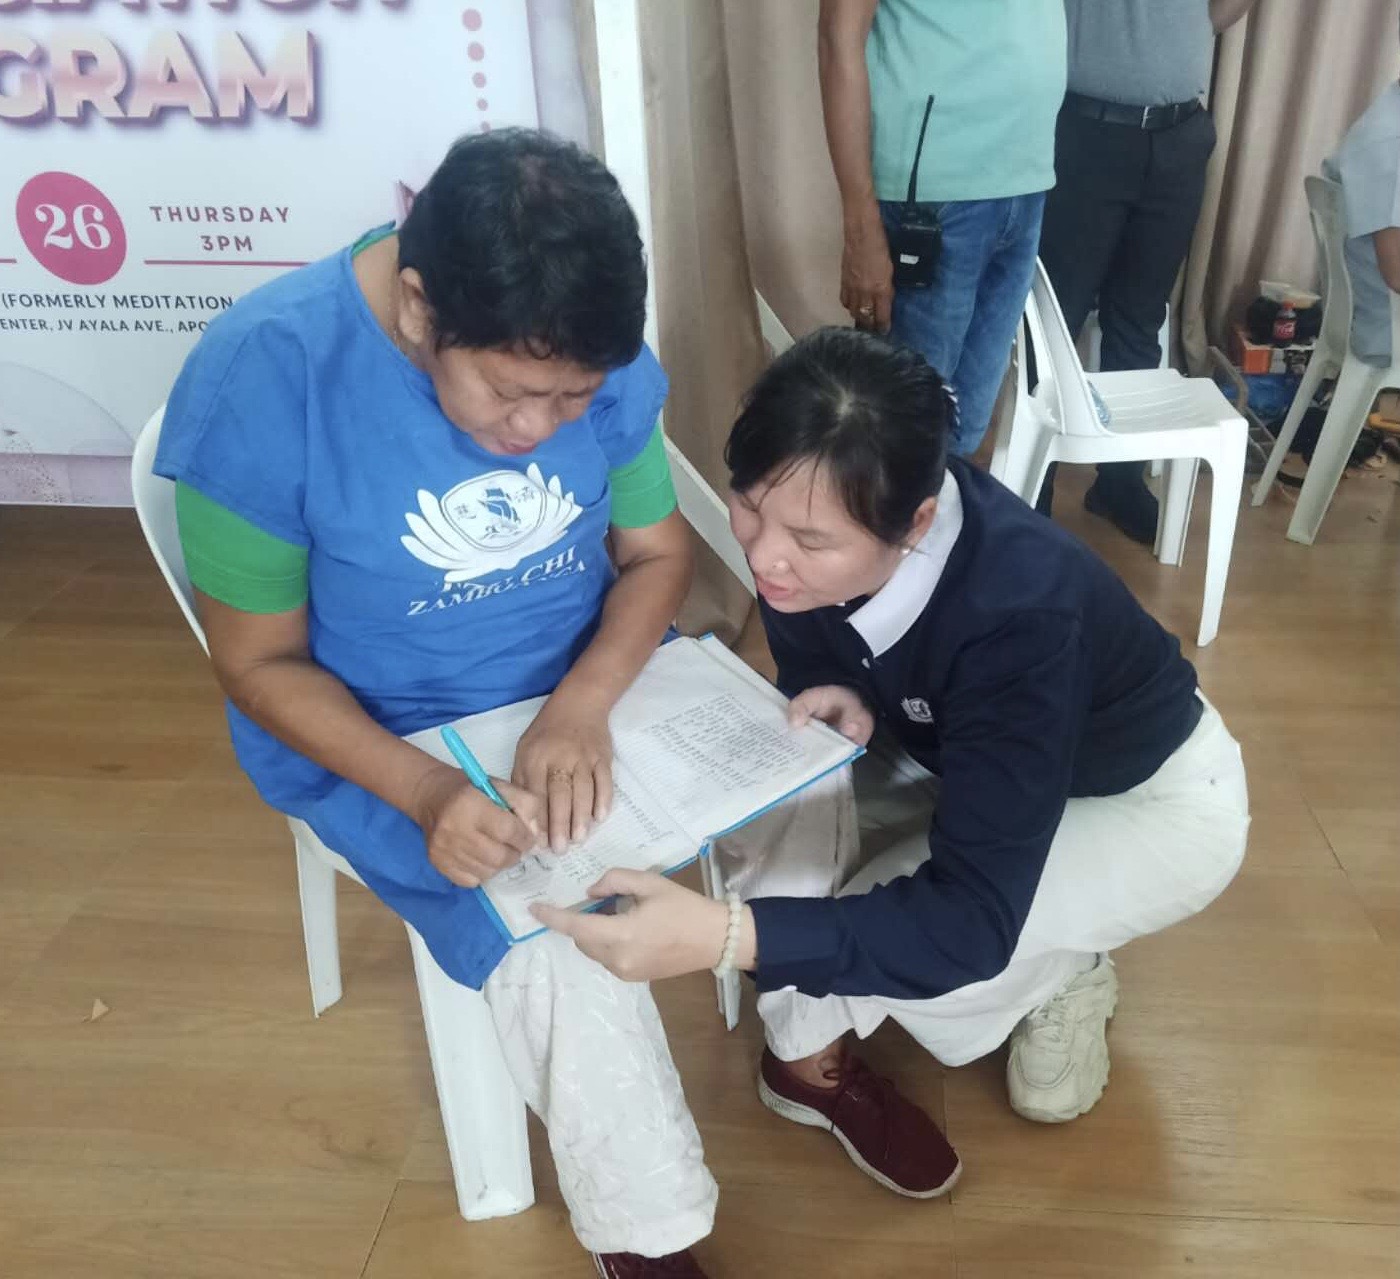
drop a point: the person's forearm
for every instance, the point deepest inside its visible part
(639, 608)
(1225, 13)
(845, 88)
(309, 709)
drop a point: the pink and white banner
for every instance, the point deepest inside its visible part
(159, 158)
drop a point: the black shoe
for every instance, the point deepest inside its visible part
(1120, 496)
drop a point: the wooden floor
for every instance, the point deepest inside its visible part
(207, 1128)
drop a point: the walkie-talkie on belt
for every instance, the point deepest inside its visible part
(917, 237)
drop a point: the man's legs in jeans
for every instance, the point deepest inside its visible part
(965, 322)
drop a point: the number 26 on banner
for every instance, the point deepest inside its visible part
(71, 228)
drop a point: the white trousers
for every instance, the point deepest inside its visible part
(589, 1056)
(1120, 867)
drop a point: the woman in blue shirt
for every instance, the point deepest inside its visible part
(424, 478)
(1048, 783)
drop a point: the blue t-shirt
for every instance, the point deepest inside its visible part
(443, 580)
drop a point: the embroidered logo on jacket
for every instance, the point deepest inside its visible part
(489, 524)
(918, 710)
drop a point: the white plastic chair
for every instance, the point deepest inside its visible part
(1358, 383)
(1091, 340)
(1154, 413)
(483, 1115)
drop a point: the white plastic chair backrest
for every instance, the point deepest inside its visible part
(155, 507)
(1329, 226)
(1063, 391)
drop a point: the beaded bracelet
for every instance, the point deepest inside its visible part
(731, 936)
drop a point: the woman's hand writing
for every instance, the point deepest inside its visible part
(469, 838)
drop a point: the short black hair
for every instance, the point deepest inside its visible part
(524, 240)
(874, 414)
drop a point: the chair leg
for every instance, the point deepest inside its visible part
(1307, 388)
(1037, 465)
(1015, 447)
(319, 926)
(729, 993)
(727, 988)
(1226, 485)
(1012, 428)
(1351, 401)
(1175, 513)
(482, 1113)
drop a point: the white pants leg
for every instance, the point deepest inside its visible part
(589, 1056)
(1120, 867)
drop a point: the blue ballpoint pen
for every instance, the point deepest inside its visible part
(471, 766)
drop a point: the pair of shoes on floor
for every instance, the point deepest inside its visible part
(631, 1265)
(1121, 496)
(1058, 1064)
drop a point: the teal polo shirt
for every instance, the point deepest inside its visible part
(997, 70)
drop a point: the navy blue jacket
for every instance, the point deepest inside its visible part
(1030, 676)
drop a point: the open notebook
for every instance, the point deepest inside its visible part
(701, 746)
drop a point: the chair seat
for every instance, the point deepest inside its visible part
(1160, 400)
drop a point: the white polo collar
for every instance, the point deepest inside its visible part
(885, 618)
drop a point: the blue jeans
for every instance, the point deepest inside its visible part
(964, 323)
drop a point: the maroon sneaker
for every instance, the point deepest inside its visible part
(886, 1135)
(630, 1265)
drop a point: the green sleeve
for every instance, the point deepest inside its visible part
(642, 492)
(236, 562)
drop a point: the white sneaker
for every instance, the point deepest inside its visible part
(1058, 1067)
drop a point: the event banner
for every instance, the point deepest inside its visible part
(160, 158)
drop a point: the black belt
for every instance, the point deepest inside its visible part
(1150, 118)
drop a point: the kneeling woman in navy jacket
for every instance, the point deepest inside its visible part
(1045, 782)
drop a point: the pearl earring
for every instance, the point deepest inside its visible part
(904, 550)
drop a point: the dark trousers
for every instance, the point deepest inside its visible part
(1118, 223)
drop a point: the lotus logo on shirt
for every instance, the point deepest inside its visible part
(489, 524)
(918, 710)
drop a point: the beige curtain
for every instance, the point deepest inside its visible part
(792, 213)
(1288, 81)
(710, 343)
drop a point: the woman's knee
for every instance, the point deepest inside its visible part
(805, 847)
